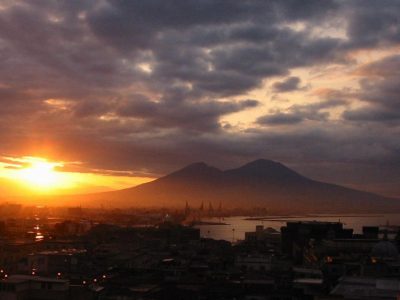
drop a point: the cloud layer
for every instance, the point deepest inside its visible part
(148, 86)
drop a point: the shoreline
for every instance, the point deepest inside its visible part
(283, 218)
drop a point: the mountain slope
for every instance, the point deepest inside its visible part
(259, 183)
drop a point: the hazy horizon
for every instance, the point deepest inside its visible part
(23, 190)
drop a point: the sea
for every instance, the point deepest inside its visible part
(234, 228)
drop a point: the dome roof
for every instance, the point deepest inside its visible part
(385, 249)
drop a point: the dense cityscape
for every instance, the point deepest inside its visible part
(77, 253)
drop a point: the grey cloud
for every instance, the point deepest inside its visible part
(288, 85)
(90, 107)
(380, 87)
(386, 92)
(202, 116)
(138, 23)
(280, 119)
(373, 114)
(299, 113)
(372, 23)
(314, 107)
(244, 49)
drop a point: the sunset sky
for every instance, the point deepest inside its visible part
(99, 95)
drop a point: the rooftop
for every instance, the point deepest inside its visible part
(25, 278)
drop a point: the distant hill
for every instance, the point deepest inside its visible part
(262, 183)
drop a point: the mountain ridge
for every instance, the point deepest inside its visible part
(259, 183)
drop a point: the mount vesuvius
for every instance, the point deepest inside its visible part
(261, 183)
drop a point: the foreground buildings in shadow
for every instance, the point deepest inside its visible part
(79, 259)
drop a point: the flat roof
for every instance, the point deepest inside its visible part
(61, 252)
(23, 278)
(315, 281)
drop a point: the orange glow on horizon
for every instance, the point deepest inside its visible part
(38, 175)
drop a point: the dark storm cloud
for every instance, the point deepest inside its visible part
(142, 86)
(380, 89)
(299, 113)
(244, 39)
(288, 50)
(383, 90)
(280, 119)
(372, 114)
(372, 23)
(92, 107)
(139, 23)
(201, 116)
(317, 106)
(289, 84)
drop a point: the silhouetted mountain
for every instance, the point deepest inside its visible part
(267, 171)
(199, 171)
(262, 182)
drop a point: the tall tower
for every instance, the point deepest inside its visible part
(187, 209)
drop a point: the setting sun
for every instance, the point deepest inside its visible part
(40, 174)
(32, 175)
